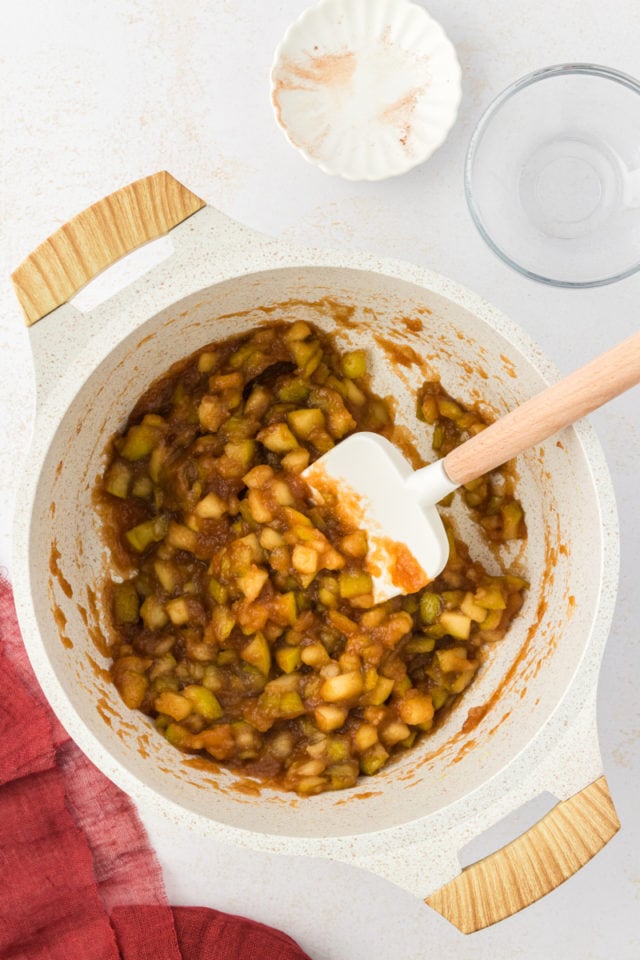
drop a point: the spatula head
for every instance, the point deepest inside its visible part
(367, 481)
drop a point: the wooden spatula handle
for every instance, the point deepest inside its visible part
(556, 407)
(97, 237)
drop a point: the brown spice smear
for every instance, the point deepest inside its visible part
(400, 113)
(328, 70)
(55, 570)
(332, 70)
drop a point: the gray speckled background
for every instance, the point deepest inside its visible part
(97, 94)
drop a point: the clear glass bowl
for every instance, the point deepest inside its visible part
(552, 175)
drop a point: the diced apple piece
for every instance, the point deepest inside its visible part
(430, 606)
(365, 736)
(288, 658)
(204, 703)
(144, 534)
(258, 507)
(258, 653)
(492, 620)
(207, 361)
(296, 461)
(419, 645)
(283, 609)
(439, 696)
(462, 682)
(178, 611)
(222, 623)
(307, 355)
(373, 759)
(490, 597)
(126, 603)
(153, 614)
(329, 717)
(211, 507)
(239, 456)
(314, 655)
(299, 330)
(291, 705)
(394, 732)
(173, 704)
(218, 741)
(304, 559)
(282, 493)
(278, 438)
(381, 691)
(258, 477)
(212, 413)
(253, 581)
(449, 409)
(354, 584)
(270, 538)
(303, 422)
(139, 441)
(512, 515)
(355, 544)
(225, 381)
(472, 609)
(182, 538)
(415, 707)
(455, 660)
(456, 624)
(354, 364)
(132, 687)
(343, 687)
(117, 480)
(142, 487)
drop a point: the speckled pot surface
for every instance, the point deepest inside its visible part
(539, 684)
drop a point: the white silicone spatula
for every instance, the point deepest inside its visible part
(376, 488)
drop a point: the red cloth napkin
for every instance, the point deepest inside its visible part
(78, 879)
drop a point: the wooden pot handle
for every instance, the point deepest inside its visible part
(562, 404)
(532, 865)
(97, 237)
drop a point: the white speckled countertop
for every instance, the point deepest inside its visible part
(95, 95)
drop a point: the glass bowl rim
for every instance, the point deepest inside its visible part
(544, 73)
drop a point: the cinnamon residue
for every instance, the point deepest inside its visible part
(326, 69)
(400, 113)
(317, 71)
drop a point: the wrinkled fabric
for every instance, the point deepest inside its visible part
(77, 875)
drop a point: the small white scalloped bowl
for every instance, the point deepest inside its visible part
(365, 89)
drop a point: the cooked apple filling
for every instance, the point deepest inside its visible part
(245, 625)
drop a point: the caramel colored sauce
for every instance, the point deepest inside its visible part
(400, 353)
(55, 570)
(98, 671)
(250, 788)
(474, 716)
(406, 573)
(106, 711)
(61, 621)
(412, 324)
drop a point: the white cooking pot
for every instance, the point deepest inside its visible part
(408, 822)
